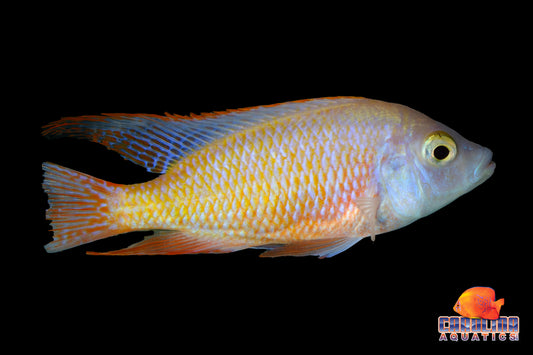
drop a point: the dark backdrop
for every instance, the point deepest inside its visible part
(387, 292)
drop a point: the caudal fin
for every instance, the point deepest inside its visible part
(493, 312)
(499, 303)
(79, 207)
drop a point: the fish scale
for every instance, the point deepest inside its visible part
(270, 198)
(309, 177)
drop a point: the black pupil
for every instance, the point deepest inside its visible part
(440, 152)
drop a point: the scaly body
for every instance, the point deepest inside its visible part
(301, 172)
(307, 175)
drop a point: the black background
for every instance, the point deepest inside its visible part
(388, 292)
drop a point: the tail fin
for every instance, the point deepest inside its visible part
(499, 303)
(493, 312)
(79, 207)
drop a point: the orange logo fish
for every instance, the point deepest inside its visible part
(479, 302)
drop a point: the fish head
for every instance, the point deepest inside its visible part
(427, 165)
(463, 306)
(457, 307)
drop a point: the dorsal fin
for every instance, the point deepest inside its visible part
(156, 142)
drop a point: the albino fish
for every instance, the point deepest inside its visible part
(310, 177)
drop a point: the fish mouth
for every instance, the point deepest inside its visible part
(485, 168)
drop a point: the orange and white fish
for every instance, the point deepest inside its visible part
(479, 302)
(310, 177)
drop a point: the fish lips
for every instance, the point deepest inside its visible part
(484, 169)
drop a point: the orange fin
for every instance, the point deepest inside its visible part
(324, 248)
(79, 207)
(498, 304)
(172, 242)
(494, 311)
(486, 292)
(491, 313)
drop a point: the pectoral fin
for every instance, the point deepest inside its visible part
(369, 208)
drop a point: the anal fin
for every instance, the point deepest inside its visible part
(173, 242)
(324, 248)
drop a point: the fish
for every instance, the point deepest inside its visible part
(307, 177)
(479, 302)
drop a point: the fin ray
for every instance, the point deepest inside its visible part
(79, 207)
(324, 248)
(369, 207)
(173, 242)
(156, 142)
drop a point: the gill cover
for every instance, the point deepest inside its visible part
(401, 184)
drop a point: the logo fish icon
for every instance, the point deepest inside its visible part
(479, 302)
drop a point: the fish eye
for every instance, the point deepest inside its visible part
(439, 148)
(441, 152)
